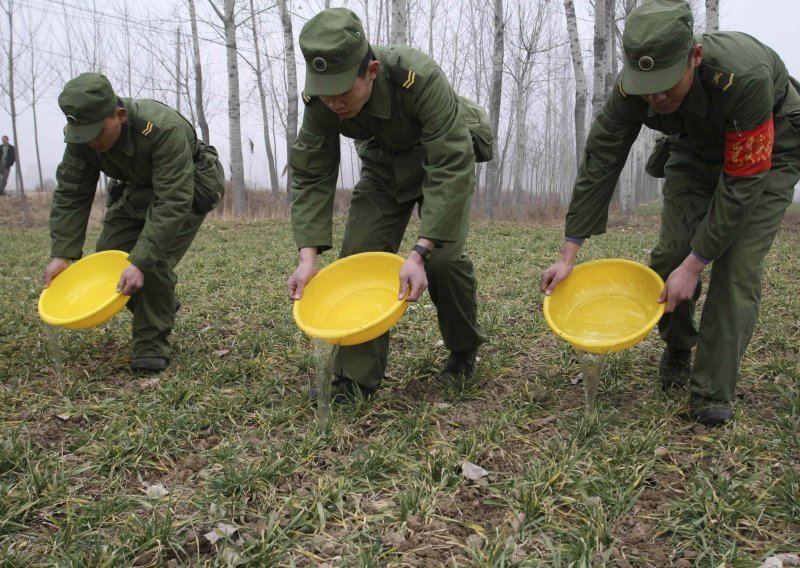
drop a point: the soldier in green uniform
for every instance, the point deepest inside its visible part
(733, 116)
(165, 182)
(417, 140)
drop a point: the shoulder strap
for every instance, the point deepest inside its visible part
(716, 77)
(403, 77)
(143, 127)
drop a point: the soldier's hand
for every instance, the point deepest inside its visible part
(55, 267)
(131, 281)
(554, 275)
(305, 271)
(681, 283)
(413, 279)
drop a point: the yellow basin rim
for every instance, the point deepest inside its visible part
(640, 282)
(383, 269)
(92, 316)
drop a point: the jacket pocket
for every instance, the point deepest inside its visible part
(658, 157)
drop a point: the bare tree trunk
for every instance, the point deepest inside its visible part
(581, 88)
(234, 107)
(35, 94)
(712, 15)
(68, 33)
(367, 29)
(380, 19)
(495, 97)
(178, 70)
(128, 60)
(36, 127)
(198, 75)
(610, 59)
(600, 54)
(399, 19)
(431, 18)
(262, 97)
(291, 88)
(9, 10)
(479, 73)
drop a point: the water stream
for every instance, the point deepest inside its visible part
(591, 367)
(54, 346)
(324, 354)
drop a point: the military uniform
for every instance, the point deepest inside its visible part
(416, 148)
(168, 181)
(730, 174)
(7, 158)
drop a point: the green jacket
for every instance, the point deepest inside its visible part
(411, 126)
(154, 153)
(737, 88)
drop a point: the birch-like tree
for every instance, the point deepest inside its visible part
(495, 98)
(178, 46)
(581, 88)
(399, 22)
(228, 17)
(33, 95)
(530, 22)
(9, 9)
(712, 15)
(601, 52)
(262, 97)
(198, 75)
(291, 88)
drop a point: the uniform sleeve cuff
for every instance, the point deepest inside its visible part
(702, 259)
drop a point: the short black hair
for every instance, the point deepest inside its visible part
(370, 56)
(114, 110)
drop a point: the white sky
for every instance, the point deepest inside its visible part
(775, 22)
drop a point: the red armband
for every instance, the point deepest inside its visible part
(748, 153)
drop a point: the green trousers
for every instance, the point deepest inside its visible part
(153, 306)
(377, 222)
(733, 299)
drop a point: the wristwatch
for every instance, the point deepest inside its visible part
(424, 252)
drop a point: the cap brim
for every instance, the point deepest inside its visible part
(638, 82)
(82, 133)
(329, 84)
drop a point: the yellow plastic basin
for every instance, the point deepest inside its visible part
(85, 294)
(352, 300)
(605, 305)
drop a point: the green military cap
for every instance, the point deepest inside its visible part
(86, 101)
(333, 45)
(657, 40)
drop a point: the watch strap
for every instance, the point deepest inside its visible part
(424, 252)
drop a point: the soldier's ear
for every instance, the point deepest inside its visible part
(372, 68)
(121, 114)
(697, 55)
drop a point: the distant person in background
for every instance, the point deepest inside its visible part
(414, 136)
(166, 181)
(731, 163)
(7, 158)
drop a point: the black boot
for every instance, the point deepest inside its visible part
(149, 364)
(459, 367)
(709, 412)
